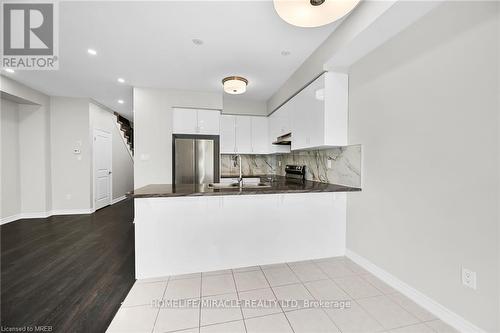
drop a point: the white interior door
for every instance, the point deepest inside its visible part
(102, 168)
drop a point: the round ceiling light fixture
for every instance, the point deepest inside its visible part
(313, 13)
(235, 85)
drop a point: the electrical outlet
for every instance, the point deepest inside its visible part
(469, 278)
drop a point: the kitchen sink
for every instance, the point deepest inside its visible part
(236, 185)
(223, 185)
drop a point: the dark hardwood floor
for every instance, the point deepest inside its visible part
(69, 272)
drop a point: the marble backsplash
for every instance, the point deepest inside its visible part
(252, 165)
(345, 164)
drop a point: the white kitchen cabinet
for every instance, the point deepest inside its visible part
(195, 121)
(208, 122)
(280, 121)
(227, 134)
(260, 136)
(279, 124)
(243, 129)
(162, 250)
(319, 113)
(185, 121)
(244, 135)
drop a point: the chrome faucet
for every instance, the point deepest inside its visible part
(237, 160)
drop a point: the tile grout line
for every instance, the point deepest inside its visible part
(304, 285)
(201, 302)
(360, 298)
(276, 297)
(352, 300)
(238, 296)
(162, 297)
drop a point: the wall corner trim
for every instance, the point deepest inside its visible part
(443, 313)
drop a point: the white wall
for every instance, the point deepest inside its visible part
(9, 159)
(122, 163)
(425, 106)
(34, 150)
(33, 147)
(71, 174)
(240, 105)
(153, 130)
(365, 14)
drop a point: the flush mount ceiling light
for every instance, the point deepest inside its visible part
(235, 85)
(313, 13)
(120, 80)
(91, 51)
(120, 101)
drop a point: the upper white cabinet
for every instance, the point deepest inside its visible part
(208, 122)
(279, 121)
(227, 134)
(260, 137)
(319, 113)
(279, 124)
(195, 121)
(243, 130)
(244, 135)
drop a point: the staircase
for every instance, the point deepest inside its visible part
(127, 130)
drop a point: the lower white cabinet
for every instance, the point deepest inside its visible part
(177, 236)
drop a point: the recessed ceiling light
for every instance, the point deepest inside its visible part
(121, 80)
(313, 13)
(197, 41)
(92, 52)
(9, 70)
(235, 85)
(120, 101)
(285, 53)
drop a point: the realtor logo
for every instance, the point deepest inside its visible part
(29, 38)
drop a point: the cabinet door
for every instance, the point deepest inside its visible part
(243, 134)
(209, 122)
(307, 113)
(284, 118)
(260, 141)
(275, 129)
(184, 121)
(227, 134)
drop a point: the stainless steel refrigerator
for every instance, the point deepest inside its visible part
(195, 159)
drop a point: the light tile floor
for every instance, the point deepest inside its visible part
(374, 306)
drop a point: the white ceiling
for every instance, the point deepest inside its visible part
(149, 44)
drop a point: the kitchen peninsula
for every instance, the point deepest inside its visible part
(189, 228)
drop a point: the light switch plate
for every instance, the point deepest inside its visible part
(329, 164)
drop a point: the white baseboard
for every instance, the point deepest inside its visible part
(11, 218)
(123, 197)
(443, 313)
(42, 215)
(71, 211)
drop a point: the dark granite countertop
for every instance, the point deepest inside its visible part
(278, 185)
(246, 176)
